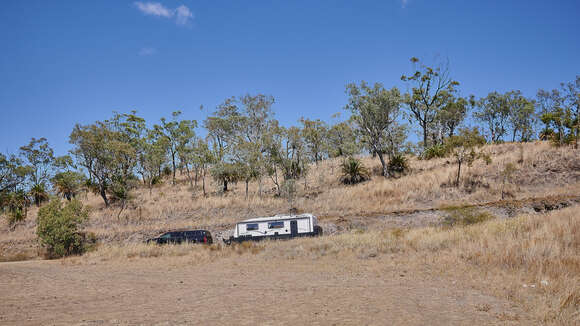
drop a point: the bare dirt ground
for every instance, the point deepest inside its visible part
(243, 290)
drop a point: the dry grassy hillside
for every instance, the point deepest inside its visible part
(542, 171)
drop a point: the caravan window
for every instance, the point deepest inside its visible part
(252, 227)
(276, 225)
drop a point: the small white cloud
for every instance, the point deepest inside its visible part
(147, 51)
(154, 9)
(182, 13)
(404, 3)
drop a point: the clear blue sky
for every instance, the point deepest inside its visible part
(63, 62)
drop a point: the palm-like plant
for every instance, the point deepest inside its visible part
(39, 193)
(68, 183)
(353, 171)
(398, 164)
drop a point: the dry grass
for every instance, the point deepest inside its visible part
(545, 171)
(532, 259)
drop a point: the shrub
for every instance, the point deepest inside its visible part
(462, 216)
(398, 165)
(167, 171)
(58, 228)
(436, 151)
(15, 206)
(353, 171)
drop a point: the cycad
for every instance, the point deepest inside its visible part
(353, 171)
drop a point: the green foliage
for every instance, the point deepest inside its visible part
(39, 193)
(314, 133)
(375, 111)
(464, 216)
(353, 171)
(432, 90)
(108, 149)
(343, 140)
(68, 183)
(465, 148)
(398, 165)
(559, 110)
(58, 228)
(38, 157)
(452, 115)
(494, 111)
(12, 173)
(15, 206)
(436, 151)
(178, 135)
(226, 173)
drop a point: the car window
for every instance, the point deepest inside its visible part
(166, 236)
(176, 234)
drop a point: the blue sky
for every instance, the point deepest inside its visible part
(63, 62)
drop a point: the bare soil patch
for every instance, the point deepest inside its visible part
(243, 290)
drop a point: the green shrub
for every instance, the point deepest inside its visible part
(462, 216)
(15, 206)
(436, 151)
(58, 228)
(353, 171)
(398, 165)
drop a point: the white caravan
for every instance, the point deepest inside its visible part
(276, 227)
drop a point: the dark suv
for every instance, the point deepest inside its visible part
(175, 237)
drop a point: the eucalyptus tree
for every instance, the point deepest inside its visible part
(12, 173)
(202, 158)
(553, 114)
(452, 115)
(13, 199)
(256, 120)
(178, 134)
(67, 182)
(571, 93)
(108, 151)
(153, 157)
(494, 111)
(315, 135)
(375, 111)
(521, 115)
(222, 126)
(432, 90)
(343, 140)
(38, 157)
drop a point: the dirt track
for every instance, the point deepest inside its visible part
(242, 290)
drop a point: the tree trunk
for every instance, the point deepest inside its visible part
(203, 182)
(247, 182)
(383, 164)
(458, 173)
(577, 127)
(188, 175)
(104, 195)
(173, 163)
(425, 137)
(225, 189)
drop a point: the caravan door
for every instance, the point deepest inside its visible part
(294, 228)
